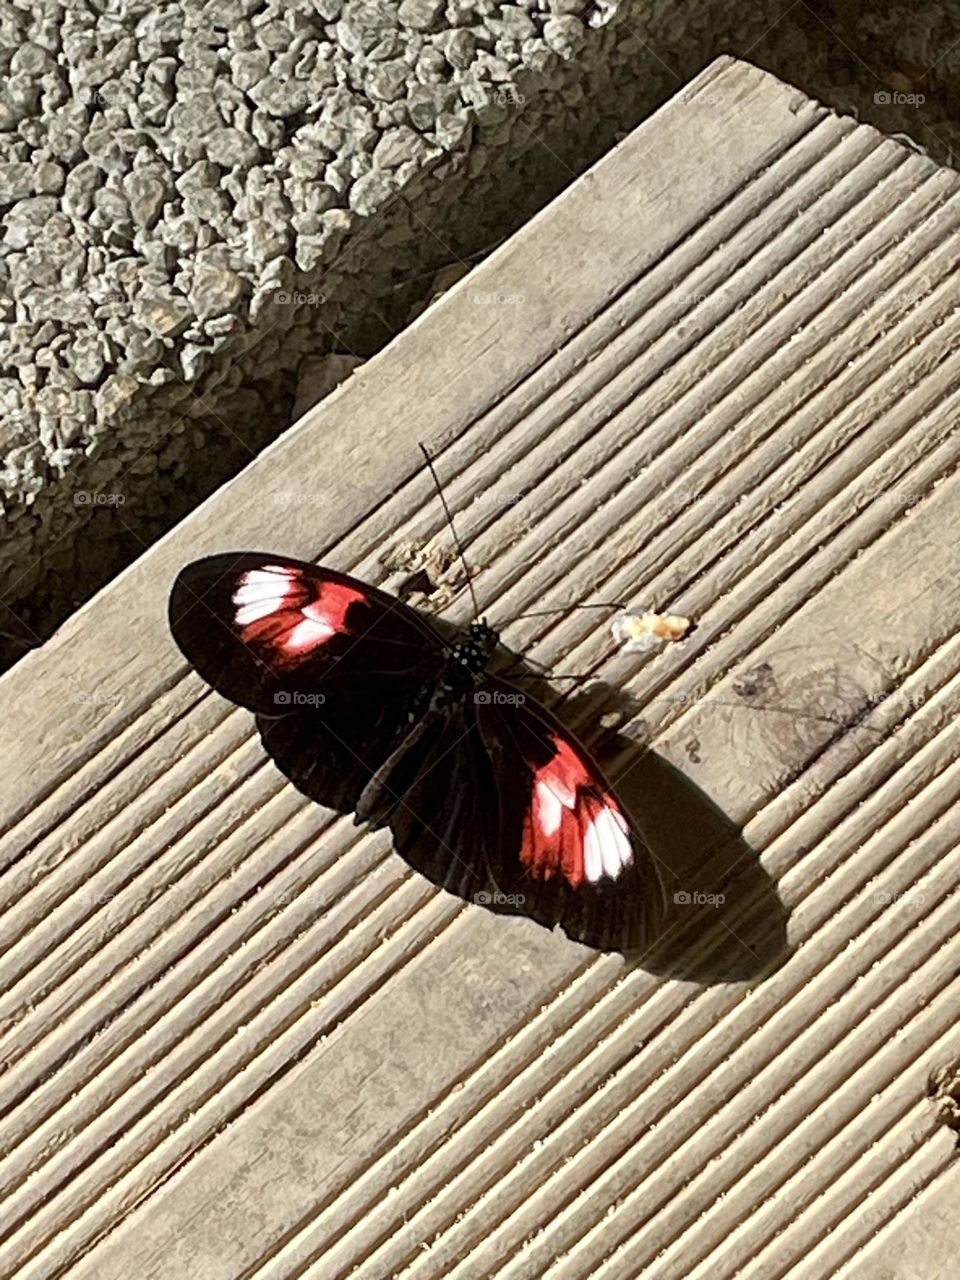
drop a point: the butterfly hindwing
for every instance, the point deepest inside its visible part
(438, 795)
(330, 752)
(569, 851)
(491, 798)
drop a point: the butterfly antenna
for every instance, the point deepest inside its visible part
(565, 608)
(456, 541)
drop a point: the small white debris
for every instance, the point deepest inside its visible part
(640, 632)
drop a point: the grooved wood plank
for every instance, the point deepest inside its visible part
(240, 1040)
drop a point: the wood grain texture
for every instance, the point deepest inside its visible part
(242, 1041)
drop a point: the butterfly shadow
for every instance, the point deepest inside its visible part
(724, 921)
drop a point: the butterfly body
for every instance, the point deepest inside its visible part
(366, 707)
(467, 659)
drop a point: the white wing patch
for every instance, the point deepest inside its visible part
(606, 840)
(279, 608)
(573, 826)
(262, 592)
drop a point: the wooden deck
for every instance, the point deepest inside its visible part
(241, 1041)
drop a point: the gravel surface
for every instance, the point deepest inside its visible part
(199, 197)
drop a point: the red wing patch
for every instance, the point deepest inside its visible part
(280, 609)
(573, 826)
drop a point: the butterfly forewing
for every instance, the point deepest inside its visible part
(277, 635)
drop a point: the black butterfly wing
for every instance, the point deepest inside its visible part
(268, 632)
(438, 794)
(336, 670)
(491, 798)
(486, 794)
(569, 851)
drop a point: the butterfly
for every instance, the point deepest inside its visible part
(365, 705)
